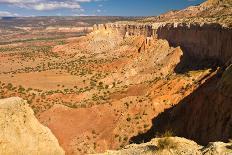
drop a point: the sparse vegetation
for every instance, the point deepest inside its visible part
(166, 133)
(100, 77)
(166, 143)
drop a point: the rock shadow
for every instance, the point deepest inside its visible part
(199, 116)
(190, 63)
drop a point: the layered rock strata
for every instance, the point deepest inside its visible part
(199, 41)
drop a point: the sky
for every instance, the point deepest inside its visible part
(91, 7)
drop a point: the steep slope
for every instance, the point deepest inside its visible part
(200, 42)
(210, 3)
(204, 116)
(21, 133)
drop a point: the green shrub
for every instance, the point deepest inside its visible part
(166, 143)
(167, 133)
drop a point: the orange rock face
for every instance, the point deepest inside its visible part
(204, 115)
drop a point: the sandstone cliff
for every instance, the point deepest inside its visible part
(207, 41)
(134, 29)
(21, 133)
(203, 31)
(198, 41)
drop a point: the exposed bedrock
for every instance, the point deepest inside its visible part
(198, 41)
(128, 29)
(21, 133)
(203, 116)
(207, 41)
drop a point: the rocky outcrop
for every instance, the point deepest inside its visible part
(209, 3)
(198, 41)
(21, 133)
(173, 146)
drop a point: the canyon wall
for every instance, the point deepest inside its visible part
(128, 29)
(207, 41)
(204, 116)
(199, 41)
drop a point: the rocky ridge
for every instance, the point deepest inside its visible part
(211, 11)
(21, 133)
(173, 146)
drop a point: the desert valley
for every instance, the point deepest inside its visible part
(87, 85)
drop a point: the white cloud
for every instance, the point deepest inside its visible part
(80, 15)
(41, 5)
(50, 5)
(6, 13)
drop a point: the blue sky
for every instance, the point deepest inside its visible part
(91, 7)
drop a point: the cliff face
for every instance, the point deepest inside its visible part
(207, 41)
(129, 29)
(205, 115)
(21, 133)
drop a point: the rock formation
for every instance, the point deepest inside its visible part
(206, 114)
(203, 32)
(203, 116)
(205, 36)
(206, 41)
(134, 29)
(173, 146)
(21, 133)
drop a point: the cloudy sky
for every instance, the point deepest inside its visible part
(90, 7)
